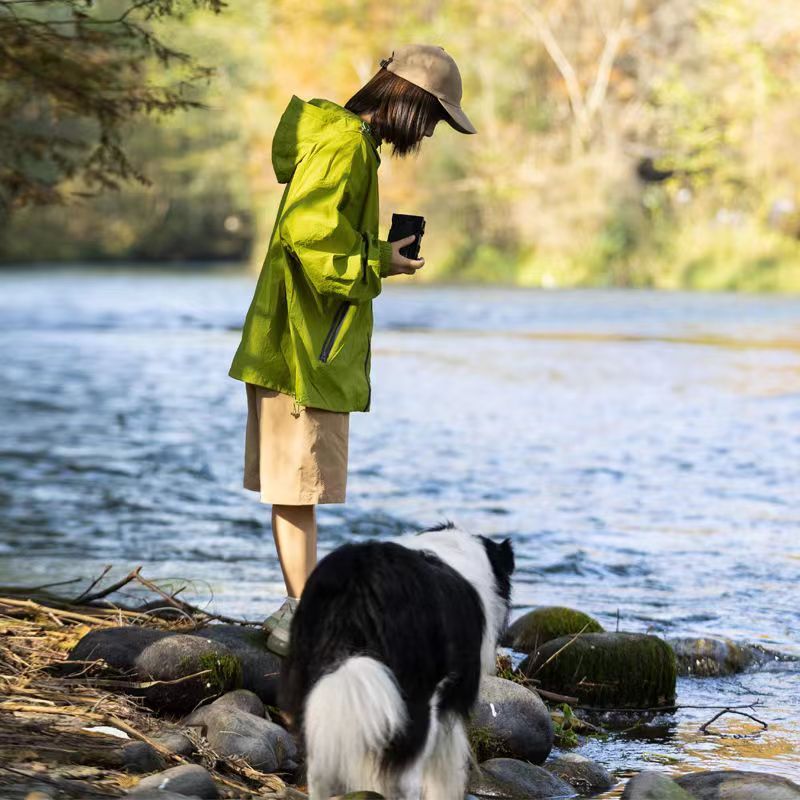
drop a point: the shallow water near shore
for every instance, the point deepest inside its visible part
(641, 449)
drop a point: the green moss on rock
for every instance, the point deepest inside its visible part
(607, 670)
(225, 671)
(544, 624)
(485, 744)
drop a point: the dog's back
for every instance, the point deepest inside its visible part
(384, 667)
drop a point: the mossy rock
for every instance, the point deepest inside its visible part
(185, 671)
(541, 625)
(607, 670)
(710, 656)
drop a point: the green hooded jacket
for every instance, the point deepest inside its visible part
(309, 326)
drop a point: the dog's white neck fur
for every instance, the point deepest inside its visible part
(466, 554)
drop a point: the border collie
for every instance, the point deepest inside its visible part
(388, 644)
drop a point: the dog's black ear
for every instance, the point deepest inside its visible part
(506, 553)
(501, 557)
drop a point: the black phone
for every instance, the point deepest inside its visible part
(404, 225)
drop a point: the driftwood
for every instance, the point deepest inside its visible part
(43, 715)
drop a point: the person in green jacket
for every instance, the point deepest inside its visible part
(305, 350)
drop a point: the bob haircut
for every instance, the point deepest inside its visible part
(401, 110)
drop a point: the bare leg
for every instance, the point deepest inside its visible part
(295, 531)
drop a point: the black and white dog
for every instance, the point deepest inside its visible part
(388, 644)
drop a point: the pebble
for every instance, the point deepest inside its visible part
(187, 779)
(242, 699)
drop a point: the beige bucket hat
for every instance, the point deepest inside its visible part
(433, 69)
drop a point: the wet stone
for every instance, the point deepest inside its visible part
(510, 720)
(585, 775)
(736, 785)
(653, 786)
(710, 656)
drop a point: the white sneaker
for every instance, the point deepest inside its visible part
(278, 625)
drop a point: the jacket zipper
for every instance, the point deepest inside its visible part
(366, 372)
(334, 329)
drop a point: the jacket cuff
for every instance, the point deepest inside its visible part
(385, 250)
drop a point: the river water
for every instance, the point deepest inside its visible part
(641, 449)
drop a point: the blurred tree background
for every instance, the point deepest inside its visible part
(620, 142)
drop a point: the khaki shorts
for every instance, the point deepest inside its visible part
(294, 455)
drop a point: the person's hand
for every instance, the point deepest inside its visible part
(400, 264)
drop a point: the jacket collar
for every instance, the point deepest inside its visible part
(351, 120)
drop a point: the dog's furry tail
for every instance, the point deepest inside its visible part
(350, 716)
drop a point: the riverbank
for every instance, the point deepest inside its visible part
(101, 700)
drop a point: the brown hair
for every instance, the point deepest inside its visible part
(401, 110)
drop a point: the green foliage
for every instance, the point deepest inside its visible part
(565, 725)
(550, 193)
(72, 74)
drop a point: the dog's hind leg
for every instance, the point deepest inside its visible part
(445, 772)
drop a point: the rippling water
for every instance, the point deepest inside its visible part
(642, 449)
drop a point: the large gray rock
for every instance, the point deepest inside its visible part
(619, 670)
(735, 785)
(262, 744)
(186, 671)
(710, 656)
(653, 786)
(510, 720)
(533, 629)
(118, 647)
(585, 775)
(167, 659)
(187, 779)
(260, 667)
(523, 780)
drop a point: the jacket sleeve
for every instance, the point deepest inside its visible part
(337, 258)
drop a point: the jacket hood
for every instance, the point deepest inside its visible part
(303, 124)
